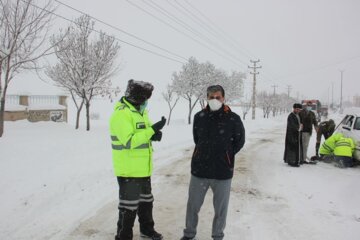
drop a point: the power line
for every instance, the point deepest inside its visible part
(215, 32)
(189, 28)
(120, 30)
(179, 31)
(118, 39)
(202, 35)
(320, 67)
(216, 29)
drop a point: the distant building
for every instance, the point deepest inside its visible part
(36, 108)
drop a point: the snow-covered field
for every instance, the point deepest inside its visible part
(57, 183)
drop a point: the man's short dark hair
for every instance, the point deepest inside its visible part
(215, 88)
(297, 105)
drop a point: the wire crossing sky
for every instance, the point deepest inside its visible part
(301, 44)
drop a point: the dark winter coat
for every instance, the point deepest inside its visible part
(308, 119)
(293, 143)
(326, 128)
(218, 136)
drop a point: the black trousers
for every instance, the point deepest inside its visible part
(135, 198)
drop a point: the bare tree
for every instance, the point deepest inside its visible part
(265, 102)
(245, 107)
(24, 29)
(170, 95)
(187, 83)
(206, 78)
(234, 86)
(85, 66)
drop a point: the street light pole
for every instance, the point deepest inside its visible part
(341, 87)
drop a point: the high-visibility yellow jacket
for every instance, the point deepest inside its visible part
(130, 137)
(344, 147)
(329, 145)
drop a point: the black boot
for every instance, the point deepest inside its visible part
(125, 224)
(153, 235)
(147, 222)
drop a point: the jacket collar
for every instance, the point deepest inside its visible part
(127, 104)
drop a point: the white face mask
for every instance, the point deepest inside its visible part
(214, 104)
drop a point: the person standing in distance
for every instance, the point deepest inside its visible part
(308, 119)
(293, 141)
(131, 137)
(218, 135)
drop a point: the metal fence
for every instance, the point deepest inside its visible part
(43, 100)
(12, 99)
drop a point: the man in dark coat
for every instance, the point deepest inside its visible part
(326, 128)
(218, 135)
(308, 119)
(293, 142)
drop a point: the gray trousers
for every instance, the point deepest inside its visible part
(197, 191)
(305, 141)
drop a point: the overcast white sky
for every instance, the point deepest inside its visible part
(301, 43)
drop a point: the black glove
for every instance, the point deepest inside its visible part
(157, 136)
(159, 125)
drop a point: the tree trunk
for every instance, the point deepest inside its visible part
(169, 117)
(202, 104)
(2, 111)
(77, 119)
(78, 114)
(87, 105)
(171, 108)
(190, 110)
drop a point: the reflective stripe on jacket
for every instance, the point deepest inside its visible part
(130, 138)
(329, 145)
(344, 147)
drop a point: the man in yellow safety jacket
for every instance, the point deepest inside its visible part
(340, 148)
(344, 149)
(328, 146)
(131, 136)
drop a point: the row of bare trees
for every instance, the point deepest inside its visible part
(191, 81)
(85, 61)
(274, 103)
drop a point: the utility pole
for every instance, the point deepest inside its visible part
(274, 86)
(332, 95)
(341, 87)
(288, 90)
(254, 85)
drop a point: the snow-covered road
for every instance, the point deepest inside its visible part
(269, 200)
(58, 184)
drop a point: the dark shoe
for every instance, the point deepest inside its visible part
(152, 235)
(187, 238)
(294, 165)
(314, 158)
